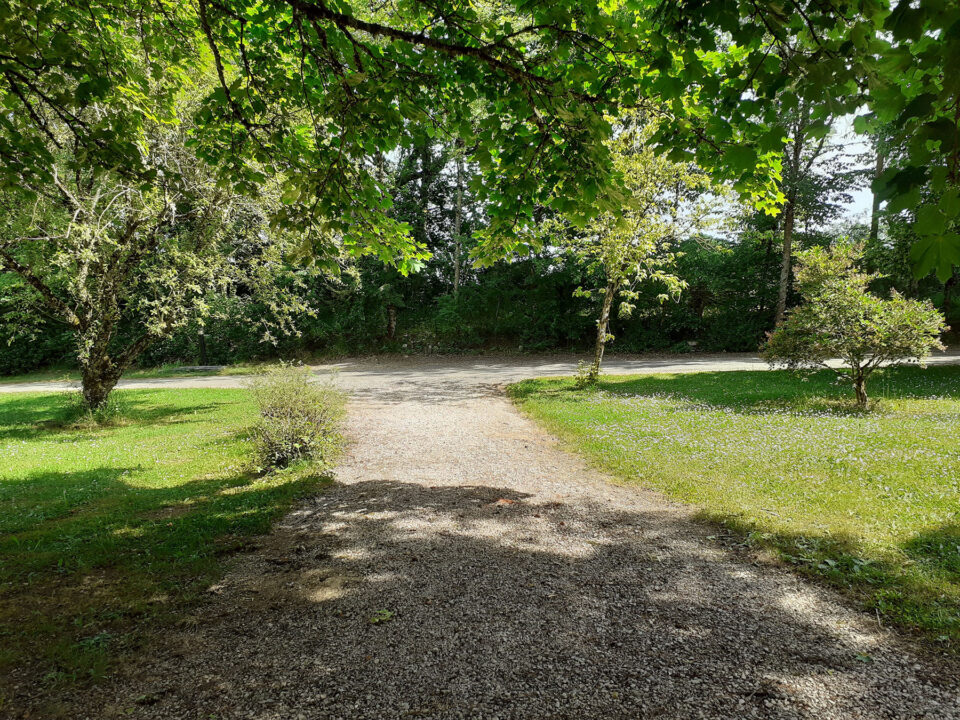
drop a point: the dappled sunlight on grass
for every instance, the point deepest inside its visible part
(868, 500)
(140, 509)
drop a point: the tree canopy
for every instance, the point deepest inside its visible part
(315, 91)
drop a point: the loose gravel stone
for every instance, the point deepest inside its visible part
(464, 566)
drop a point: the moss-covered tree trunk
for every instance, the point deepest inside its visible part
(100, 368)
(99, 375)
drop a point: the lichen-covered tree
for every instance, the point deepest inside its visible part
(841, 319)
(125, 262)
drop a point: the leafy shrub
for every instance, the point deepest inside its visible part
(584, 376)
(299, 419)
(841, 319)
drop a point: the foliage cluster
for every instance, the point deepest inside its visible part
(299, 417)
(380, 139)
(316, 94)
(840, 318)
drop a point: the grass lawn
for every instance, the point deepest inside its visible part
(869, 502)
(71, 374)
(106, 533)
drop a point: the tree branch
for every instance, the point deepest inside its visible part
(37, 284)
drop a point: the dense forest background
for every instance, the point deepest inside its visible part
(528, 302)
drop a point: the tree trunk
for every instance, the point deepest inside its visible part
(860, 388)
(203, 348)
(391, 322)
(98, 377)
(792, 172)
(875, 209)
(458, 222)
(602, 325)
(788, 222)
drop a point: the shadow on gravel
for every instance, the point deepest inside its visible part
(386, 599)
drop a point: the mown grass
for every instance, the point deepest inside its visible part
(868, 501)
(66, 374)
(107, 533)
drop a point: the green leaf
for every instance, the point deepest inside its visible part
(904, 22)
(936, 252)
(950, 203)
(930, 221)
(741, 158)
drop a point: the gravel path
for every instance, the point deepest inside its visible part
(377, 374)
(511, 581)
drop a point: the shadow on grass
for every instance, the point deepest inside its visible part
(30, 500)
(45, 415)
(762, 391)
(922, 595)
(915, 584)
(938, 548)
(84, 554)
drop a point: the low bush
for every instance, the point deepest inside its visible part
(299, 418)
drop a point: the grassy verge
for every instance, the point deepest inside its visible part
(108, 532)
(71, 374)
(869, 502)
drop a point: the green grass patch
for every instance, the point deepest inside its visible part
(869, 501)
(107, 532)
(66, 374)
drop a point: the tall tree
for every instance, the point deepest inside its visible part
(806, 144)
(125, 263)
(458, 218)
(630, 246)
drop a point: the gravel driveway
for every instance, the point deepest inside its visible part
(464, 566)
(434, 373)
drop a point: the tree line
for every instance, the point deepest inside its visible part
(441, 173)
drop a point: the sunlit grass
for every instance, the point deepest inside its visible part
(105, 532)
(869, 501)
(66, 374)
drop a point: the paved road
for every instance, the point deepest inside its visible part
(434, 373)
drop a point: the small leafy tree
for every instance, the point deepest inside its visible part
(631, 246)
(840, 318)
(124, 262)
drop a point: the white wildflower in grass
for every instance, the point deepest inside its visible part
(876, 493)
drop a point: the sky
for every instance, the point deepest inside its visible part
(859, 208)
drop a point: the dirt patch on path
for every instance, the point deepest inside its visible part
(466, 567)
